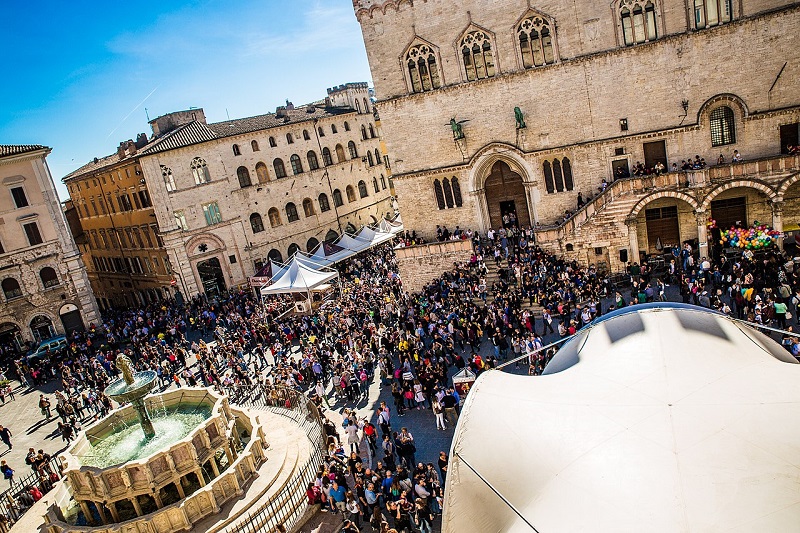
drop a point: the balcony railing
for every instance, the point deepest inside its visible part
(680, 179)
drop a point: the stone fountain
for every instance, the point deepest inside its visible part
(133, 388)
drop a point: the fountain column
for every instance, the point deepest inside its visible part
(112, 506)
(157, 498)
(179, 486)
(138, 508)
(86, 512)
(200, 478)
(214, 466)
(101, 512)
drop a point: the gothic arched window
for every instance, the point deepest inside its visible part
(437, 191)
(476, 52)
(327, 160)
(448, 193)
(638, 21)
(536, 42)
(423, 69)
(362, 189)
(548, 177)
(351, 146)
(337, 198)
(566, 166)
(456, 192)
(200, 171)
(169, 179)
(557, 176)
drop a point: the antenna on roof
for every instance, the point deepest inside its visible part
(147, 114)
(226, 112)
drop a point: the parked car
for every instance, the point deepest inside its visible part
(47, 348)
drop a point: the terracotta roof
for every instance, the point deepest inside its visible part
(16, 149)
(197, 132)
(103, 162)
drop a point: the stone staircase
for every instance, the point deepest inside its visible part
(493, 276)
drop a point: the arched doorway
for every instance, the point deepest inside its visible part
(311, 244)
(663, 224)
(506, 198)
(275, 255)
(71, 318)
(331, 236)
(11, 340)
(211, 276)
(42, 328)
(292, 249)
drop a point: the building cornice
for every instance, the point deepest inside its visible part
(27, 156)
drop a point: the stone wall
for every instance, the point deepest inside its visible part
(572, 108)
(419, 265)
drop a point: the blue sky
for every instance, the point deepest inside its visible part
(79, 75)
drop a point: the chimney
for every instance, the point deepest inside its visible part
(141, 140)
(280, 112)
(121, 150)
(289, 105)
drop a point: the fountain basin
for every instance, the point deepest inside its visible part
(143, 383)
(167, 486)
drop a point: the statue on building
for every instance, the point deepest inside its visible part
(455, 125)
(520, 118)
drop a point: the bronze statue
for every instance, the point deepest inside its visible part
(458, 132)
(520, 118)
(125, 365)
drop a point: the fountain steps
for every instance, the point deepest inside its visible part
(289, 449)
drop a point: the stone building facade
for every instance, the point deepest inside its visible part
(228, 196)
(120, 243)
(491, 108)
(45, 290)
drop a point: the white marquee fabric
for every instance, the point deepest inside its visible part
(351, 245)
(298, 277)
(656, 418)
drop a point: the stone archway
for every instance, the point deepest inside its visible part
(506, 199)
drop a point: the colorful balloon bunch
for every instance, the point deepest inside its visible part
(755, 237)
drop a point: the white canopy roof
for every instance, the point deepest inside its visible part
(351, 245)
(297, 276)
(656, 418)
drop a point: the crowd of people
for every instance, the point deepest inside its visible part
(412, 343)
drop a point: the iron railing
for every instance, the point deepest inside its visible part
(290, 504)
(17, 499)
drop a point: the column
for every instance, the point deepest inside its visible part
(114, 514)
(157, 498)
(200, 478)
(702, 234)
(531, 191)
(483, 210)
(633, 240)
(86, 512)
(214, 467)
(777, 220)
(179, 486)
(101, 512)
(136, 506)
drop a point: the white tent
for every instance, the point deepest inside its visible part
(656, 418)
(297, 276)
(348, 246)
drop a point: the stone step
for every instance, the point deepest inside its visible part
(288, 450)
